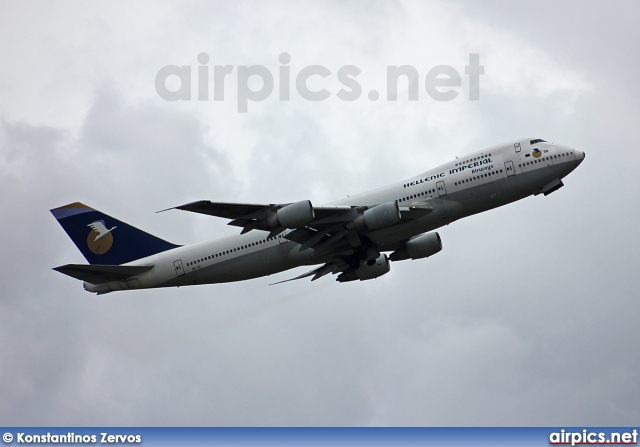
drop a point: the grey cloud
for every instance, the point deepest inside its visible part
(525, 318)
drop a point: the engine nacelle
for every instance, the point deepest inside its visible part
(367, 270)
(418, 247)
(294, 215)
(376, 218)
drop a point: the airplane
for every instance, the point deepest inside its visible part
(349, 237)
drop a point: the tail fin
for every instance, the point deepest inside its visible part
(105, 240)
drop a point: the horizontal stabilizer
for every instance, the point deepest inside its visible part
(98, 274)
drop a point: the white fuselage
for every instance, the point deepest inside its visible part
(478, 182)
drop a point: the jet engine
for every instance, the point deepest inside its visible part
(367, 270)
(418, 247)
(294, 215)
(376, 218)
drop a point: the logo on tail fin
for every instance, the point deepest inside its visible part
(99, 239)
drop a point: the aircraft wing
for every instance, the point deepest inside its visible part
(336, 266)
(253, 211)
(242, 213)
(251, 216)
(324, 227)
(230, 210)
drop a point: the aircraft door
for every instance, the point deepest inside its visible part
(442, 191)
(516, 146)
(508, 166)
(177, 265)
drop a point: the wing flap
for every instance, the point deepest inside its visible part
(99, 274)
(329, 267)
(301, 235)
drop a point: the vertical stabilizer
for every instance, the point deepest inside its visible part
(105, 240)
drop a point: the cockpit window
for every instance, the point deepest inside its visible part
(538, 140)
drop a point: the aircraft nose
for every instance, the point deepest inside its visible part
(579, 155)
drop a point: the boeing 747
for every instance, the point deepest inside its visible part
(354, 238)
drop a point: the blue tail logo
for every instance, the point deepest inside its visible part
(100, 239)
(105, 240)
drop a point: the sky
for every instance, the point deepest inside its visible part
(528, 316)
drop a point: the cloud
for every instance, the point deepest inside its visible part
(524, 318)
